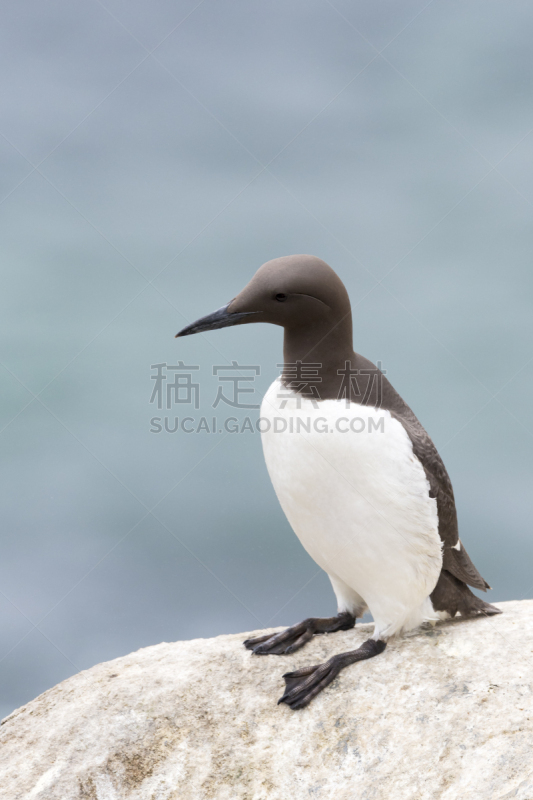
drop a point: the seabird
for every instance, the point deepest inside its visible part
(356, 474)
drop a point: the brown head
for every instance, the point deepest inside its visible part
(302, 294)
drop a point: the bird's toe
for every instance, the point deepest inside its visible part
(304, 684)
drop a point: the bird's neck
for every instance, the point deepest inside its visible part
(315, 356)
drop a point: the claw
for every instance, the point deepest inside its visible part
(278, 644)
(304, 684)
(250, 644)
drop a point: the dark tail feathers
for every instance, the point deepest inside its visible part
(452, 595)
(458, 562)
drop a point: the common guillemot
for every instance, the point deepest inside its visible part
(372, 503)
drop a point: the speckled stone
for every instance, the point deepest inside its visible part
(443, 713)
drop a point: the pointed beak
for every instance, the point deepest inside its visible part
(221, 318)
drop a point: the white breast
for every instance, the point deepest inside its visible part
(358, 500)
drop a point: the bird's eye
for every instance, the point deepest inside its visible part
(281, 297)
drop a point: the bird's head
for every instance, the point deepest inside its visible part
(301, 293)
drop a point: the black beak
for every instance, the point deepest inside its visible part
(221, 318)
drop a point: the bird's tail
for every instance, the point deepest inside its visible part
(452, 595)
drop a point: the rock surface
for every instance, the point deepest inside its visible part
(443, 713)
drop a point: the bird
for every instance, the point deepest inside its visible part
(358, 477)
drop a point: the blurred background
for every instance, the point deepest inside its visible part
(153, 156)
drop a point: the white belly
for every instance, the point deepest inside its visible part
(358, 500)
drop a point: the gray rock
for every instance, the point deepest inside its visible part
(443, 713)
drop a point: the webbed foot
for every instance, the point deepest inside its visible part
(304, 684)
(291, 639)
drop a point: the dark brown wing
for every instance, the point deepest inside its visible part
(380, 393)
(455, 558)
